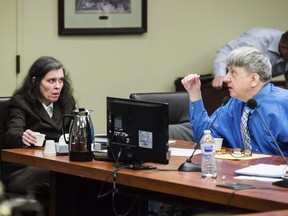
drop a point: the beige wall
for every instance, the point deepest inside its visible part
(7, 46)
(182, 38)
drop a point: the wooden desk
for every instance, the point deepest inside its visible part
(269, 213)
(188, 185)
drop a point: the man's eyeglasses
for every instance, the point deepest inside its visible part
(239, 153)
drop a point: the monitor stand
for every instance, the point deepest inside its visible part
(135, 166)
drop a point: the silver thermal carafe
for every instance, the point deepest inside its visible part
(81, 135)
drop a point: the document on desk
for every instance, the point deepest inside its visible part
(100, 138)
(257, 178)
(263, 170)
(230, 157)
(183, 152)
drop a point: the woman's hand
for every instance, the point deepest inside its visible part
(29, 137)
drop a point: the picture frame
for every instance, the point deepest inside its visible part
(102, 17)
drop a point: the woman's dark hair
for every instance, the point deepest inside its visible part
(30, 88)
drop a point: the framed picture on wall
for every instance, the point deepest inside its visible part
(99, 17)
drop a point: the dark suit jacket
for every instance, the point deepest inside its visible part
(22, 117)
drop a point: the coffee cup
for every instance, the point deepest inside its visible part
(218, 143)
(40, 139)
(50, 148)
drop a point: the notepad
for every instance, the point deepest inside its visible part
(264, 170)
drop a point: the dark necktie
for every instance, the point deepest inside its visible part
(244, 128)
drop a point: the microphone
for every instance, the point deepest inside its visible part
(252, 104)
(224, 102)
(188, 166)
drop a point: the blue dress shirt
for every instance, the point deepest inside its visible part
(273, 107)
(265, 40)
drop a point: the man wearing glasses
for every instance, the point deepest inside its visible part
(249, 75)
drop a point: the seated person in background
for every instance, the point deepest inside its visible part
(46, 86)
(271, 42)
(249, 73)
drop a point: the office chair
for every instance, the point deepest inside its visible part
(20, 203)
(179, 124)
(3, 117)
(3, 127)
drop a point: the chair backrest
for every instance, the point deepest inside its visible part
(3, 125)
(3, 117)
(179, 125)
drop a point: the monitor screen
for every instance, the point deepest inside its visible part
(137, 131)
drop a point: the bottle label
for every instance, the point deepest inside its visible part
(207, 148)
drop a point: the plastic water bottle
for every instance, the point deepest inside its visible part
(208, 166)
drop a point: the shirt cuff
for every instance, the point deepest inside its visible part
(196, 107)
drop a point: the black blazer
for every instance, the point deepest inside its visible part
(22, 116)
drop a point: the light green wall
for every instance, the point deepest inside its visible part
(182, 38)
(7, 46)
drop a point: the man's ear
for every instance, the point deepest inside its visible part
(283, 49)
(255, 78)
(282, 45)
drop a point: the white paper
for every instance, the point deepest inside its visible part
(264, 170)
(257, 178)
(100, 138)
(62, 140)
(170, 142)
(183, 152)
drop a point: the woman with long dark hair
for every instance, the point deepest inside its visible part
(36, 107)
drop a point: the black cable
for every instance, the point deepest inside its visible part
(100, 195)
(120, 150)
(116, 169)
(118, 156)
(114, 192)
(110, 146)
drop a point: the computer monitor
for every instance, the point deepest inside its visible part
(137, 131)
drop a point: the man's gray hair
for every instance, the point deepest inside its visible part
(252, 60)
